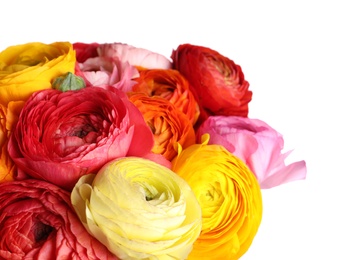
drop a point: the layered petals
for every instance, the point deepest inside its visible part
(61, 136)
(107, 72)
(139, 57)
(25, 69)
(168, 124)
(258, 145)
(171, 85)
(139, 210)
(37, 221)
(103, 71)
(229, 196)
(216, 81)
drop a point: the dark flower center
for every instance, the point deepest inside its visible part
(41, 231)
(82, 130)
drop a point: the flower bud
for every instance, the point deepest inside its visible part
(69, 81)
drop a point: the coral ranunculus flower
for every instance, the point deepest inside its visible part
(37, 221)
(229, 196)
(168, 124)
(217, 83)
(171, 85)
(25, 69)
(257, 144)
(139, 209)
(61, 136)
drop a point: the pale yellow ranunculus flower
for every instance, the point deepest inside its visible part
(229, 196)
(139, 209)
(25, 69)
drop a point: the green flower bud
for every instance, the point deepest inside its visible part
(68, 82)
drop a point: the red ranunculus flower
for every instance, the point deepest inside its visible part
(61, 136)
(216, 81)
(37, 221)
(25, 69)
(85, 51)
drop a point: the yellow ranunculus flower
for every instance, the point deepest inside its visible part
(25, 69)
(229, 196)
(30, 67)
(139, 209)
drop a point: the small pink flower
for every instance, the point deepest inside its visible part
(138, 57)
(257, 144)
(107, 72)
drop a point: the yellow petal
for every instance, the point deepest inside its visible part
(229, 196)
(139, 209)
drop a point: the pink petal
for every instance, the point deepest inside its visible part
(257, 144)
(135, 56)
(292, 172)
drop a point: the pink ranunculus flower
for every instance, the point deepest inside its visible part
(107, 72)
(104, 71)
(37, 221)
(139, 57)
(257, 144)
(61, 136)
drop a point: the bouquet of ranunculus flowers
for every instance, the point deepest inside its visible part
(109, 151)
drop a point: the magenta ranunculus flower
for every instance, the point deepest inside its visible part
(257, 144)
(37, 221)
(61, 136)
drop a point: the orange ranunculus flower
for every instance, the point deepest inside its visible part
(229, 196)
(169, 84)
(6, 164)
(216, 81)
(168, 124)
(8, 117)
(25, 69)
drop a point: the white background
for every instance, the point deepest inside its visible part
(290, 54)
